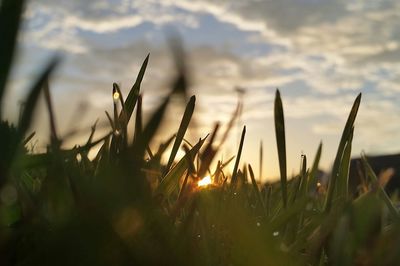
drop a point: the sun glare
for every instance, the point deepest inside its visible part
(205, 181)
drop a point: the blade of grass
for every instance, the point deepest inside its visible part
(138, 120)
(10, 18)
(281, 144)
(27, 114)
(181, 131)
(133, 95)
(92, 131)
(256, 190)
(53, 137)
(150, 129)
(110, 120)
(208, 154)
(343, 178)
(312, 176)
(303, 176)
(162, 148)
(122, 124)
(118, 97)
(339, 155)
(170, 181)
(239, 154)
(28, 138)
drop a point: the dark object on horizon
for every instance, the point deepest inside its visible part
(383, 165)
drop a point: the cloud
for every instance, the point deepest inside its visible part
(320, 54)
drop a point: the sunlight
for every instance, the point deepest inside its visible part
(205, 181)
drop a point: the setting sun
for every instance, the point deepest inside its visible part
(205, 181)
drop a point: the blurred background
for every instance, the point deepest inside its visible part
(319, 53)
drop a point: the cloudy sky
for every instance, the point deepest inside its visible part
(319, 53)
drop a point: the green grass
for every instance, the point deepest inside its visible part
(124, 207)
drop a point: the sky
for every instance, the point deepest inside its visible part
(319, 53)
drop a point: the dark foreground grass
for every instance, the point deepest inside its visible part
(124, 207)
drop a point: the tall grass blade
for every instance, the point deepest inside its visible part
(120, 119)
(256, 190)
(182, 130)
(138, 120)
(134, 92)
(281, 144)
(150, 129)
(27, 114)
(208, 154)
(10, 18)
(239, 154)
(171, 180)
(53, 137)
(303, 176)
(339, 155)
(343, 179)
(110, 120)
(92, 131)
(312, 177)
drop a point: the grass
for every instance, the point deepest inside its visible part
(124, 207)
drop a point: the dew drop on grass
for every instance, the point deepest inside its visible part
(116, 96)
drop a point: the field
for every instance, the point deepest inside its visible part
(125, 207)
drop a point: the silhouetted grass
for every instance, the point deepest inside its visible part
(124, 207)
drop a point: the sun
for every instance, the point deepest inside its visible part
(205, 181)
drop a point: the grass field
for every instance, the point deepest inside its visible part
(125, 207)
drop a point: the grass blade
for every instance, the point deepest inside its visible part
(150, 129)
(343, 178)
(138, 120)
(27, 114)
(53, 137)
(339, 155)
(133, 95)
(235, 168)
(182, 130)
(208, 154)
(303, 176)
(257, 191)
(312, 177)
(281, 144)
(170, 181)
(10, 17)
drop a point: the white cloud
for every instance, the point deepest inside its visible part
(319, 53)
